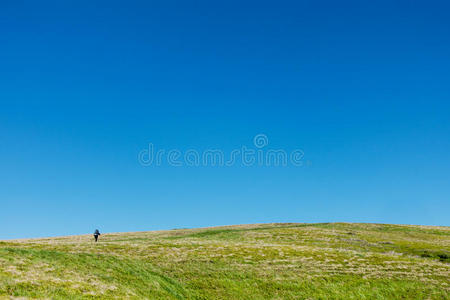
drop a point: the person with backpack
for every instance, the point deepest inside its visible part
(96, 234)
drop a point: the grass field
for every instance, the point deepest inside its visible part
(262, 261)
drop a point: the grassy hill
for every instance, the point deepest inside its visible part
(273, 261)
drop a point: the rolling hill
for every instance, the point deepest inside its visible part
(261, 261)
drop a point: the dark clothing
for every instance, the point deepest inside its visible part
(96, 234)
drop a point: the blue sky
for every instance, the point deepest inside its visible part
(362, 88)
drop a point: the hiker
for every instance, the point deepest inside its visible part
(96, 234)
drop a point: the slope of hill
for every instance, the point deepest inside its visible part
(293, 261)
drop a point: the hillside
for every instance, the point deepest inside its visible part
(293, 261)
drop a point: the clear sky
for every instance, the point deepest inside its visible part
(362, 87)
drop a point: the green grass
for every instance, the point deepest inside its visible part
(263, 261)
